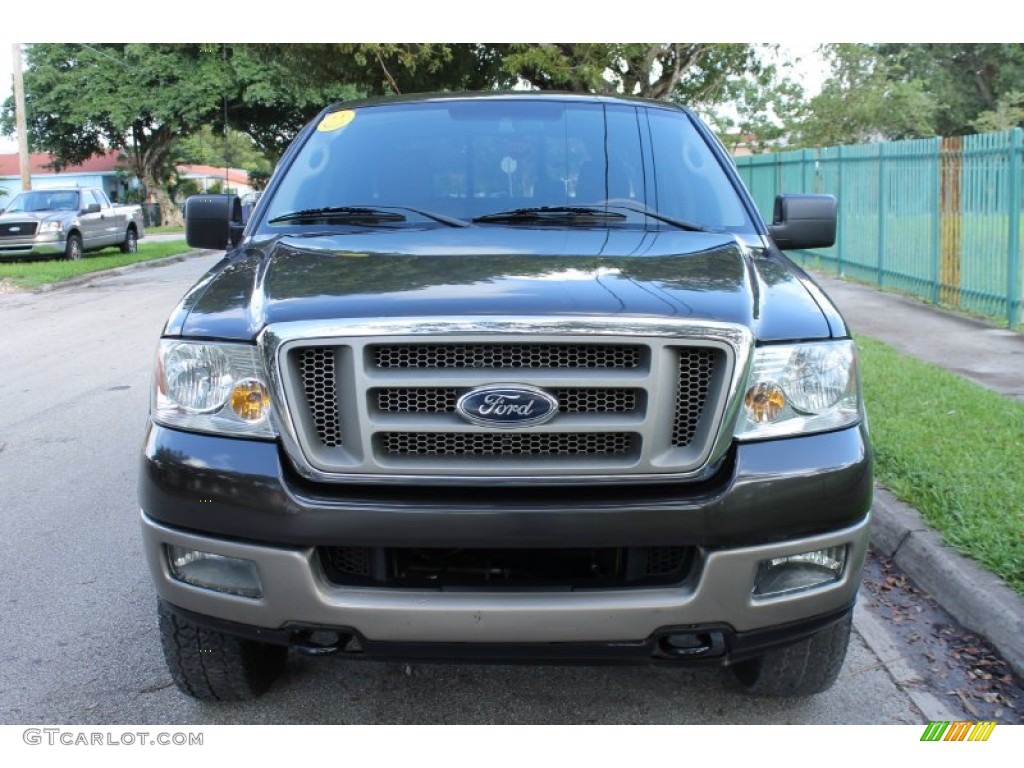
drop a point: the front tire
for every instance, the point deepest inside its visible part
(213, 666)
(130, 244)
(73, 247)
(805, 668)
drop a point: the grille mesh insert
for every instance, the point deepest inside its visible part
(318, 381)
(696, 369)
(507, 356)
(534, 444)
(354, 561)
(663, 560)
(443, 399)
(539, 569)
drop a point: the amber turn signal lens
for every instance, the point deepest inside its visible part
(250, 400)
(764, 402)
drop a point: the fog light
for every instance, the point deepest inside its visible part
(796, 572)
(231, 575)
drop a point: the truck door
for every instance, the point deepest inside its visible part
(112, 221)
(90, 223)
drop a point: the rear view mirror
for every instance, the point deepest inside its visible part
(213, 221)
(92, 208)
(804, 221)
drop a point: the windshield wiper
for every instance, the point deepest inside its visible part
(358, 214)
(689, 226)
(553, 213)
(351, 214)
(451, 221)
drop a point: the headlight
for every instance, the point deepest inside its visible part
(797, 389)
(50, 226)
(211, 387)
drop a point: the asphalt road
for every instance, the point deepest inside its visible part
(78, 636)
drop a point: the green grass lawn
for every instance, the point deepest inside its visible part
(29, 274)
(165, 230)
(953, 450)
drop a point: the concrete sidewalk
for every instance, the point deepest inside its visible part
(992, 357)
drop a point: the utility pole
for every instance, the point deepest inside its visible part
(19, 119)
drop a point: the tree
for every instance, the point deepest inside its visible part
(1009, 113)
(280, 87)
(760, 108)
(206, 146)
(675, 71)
(965, 80)
(864, 101)
(136, 98)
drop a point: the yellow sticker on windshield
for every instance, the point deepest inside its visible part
(336, 120)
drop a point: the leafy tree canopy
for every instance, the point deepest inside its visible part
(964, 80)
(865, 100)
(137, 98)
(687, 72)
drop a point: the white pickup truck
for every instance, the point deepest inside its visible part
(67, 222)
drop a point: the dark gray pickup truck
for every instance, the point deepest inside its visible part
(506, 376)
(67, 222)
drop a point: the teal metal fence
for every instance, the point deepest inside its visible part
(936, 218)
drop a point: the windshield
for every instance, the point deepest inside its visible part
(41, 200)
(468, 159)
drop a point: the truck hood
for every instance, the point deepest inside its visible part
(40, 216)
(494, 271)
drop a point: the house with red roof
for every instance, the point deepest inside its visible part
(99, 171)
(106, 172)
(235, 179)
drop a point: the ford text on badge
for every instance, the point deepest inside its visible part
(507, 406)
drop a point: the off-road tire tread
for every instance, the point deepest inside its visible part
(213, 666)
(802, 669)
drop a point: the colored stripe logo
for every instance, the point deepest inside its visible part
(961, 730)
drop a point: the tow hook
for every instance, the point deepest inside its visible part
(321, 642)
(692, 645)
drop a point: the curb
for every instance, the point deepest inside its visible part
(88, 277)
(976, 598)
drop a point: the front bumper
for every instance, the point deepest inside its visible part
(48, 244)
(295, 591)
(239, 498)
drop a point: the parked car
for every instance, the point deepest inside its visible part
(67, 222)
(494, 377)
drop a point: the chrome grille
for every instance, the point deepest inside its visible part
(443, 399)
(318, 382)
(696, 369)
(507, 356)
(18, 228)
(535, 444)
(371, 401)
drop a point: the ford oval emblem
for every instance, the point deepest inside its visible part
(507, 406)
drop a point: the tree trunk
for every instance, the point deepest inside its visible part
(170, 214)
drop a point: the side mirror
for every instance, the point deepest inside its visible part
(213, 221)
(804, 221)
(91, 208)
